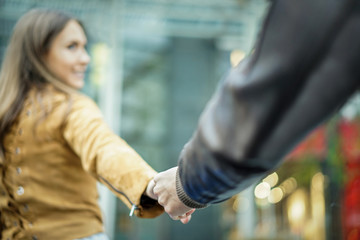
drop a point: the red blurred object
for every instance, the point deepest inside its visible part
(350, 147)
(314, 144)
(350, 139)
(351, 210)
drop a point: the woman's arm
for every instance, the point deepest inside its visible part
(108, 157)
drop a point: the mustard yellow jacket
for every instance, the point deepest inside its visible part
(51, 166)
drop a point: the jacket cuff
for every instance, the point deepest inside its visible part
(185, 199)
(149, 208)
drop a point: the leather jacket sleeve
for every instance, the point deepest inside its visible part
(303, 69)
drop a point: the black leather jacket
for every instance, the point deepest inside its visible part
(306, 64)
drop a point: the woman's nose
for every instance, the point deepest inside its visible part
(84, 58)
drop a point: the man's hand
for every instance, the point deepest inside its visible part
(165, 192)
(150, 190)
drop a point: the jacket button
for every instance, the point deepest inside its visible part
(17, 150)
(20, 191)
(26, 208)
(20, 131)
(18, 170)
(34, 237)
(28, 112)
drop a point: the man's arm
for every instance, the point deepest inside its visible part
(272, 100)
(303, 69)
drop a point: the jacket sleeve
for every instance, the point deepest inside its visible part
(108, 157)
(302, 70)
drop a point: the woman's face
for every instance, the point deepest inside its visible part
(67, 57)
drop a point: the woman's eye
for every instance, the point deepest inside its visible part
(72, 46)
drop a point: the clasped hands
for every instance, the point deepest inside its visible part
(163, 189)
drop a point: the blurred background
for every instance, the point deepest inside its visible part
(155, 63)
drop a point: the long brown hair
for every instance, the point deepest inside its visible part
(23, 66)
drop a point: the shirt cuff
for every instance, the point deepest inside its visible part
(185, 199)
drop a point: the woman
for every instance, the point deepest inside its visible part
(54, 142)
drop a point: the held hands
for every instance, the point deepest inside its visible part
(163, 188)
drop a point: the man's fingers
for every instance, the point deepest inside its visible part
(173, 217)
(162, 202)
(183, 216)
(185, 220)
(156, 193)
(150, 189)
(190, 212)
(165, 192)
(156, 190)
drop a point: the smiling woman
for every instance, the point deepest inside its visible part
(54, 143)
(67, 57)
